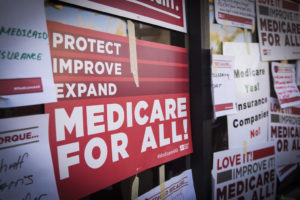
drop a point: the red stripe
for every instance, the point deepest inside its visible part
(289, 100)
(161, 55)
(290, 6)
(162, 63)
(148, 12)
(90, 56)
(235, 18)
(144, 70)
(296, 110)
(145, 88)
(118, 79)
(226, 106)
(261, 153)
(20, 86)
(87, 56)
(160, 46)
(286, 168)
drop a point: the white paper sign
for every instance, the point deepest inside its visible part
(285, 131)
(26, 74)
(241, 175)
(179, 187)
(26, 170)
(285, 84)
(250, 124)
(283, 172)
(223, 84)
(238, 13)
(279, 37)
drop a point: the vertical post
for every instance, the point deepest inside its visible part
(200, 93)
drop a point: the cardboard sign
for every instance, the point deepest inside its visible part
(106, 126)
(178, 187)
(285, 131)
(240, 174)
(278, 30)
(222, 83)
(238, 13)
(283, 172)
(167, 13)
(285, 84)
(250, 124)
(26, 170)
(26, 76)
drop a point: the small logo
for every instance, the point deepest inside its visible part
(266, 52)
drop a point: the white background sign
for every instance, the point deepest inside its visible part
(240, 174)
(283, 172)
(238, 13)
(285, 84)
(285, 131)
(179, 187)
(279, 38)
(222, 83)
(26, 74)
(26, 170)
(250, 123)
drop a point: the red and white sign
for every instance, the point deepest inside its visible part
(278, 29)
(240, 174)
(178, 187)
(284, 78)
(285, 131)
(238, 13)
(165, 13)
(283, 172)
(104, 128)
(222, 83)
(251, 76)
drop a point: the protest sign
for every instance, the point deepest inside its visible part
(245, 174)
(26, 75)
(285, 84)
(283, 172)
(250, 124)
(178, 187)
(285, 131)
(278, 30)
(167, 13)
(222, 83)
(104, 124)
(238, 13)
(26, 170)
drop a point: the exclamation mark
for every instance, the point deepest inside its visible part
(186, 136)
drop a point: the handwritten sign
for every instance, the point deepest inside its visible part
(26, 170)
(180, 187)
(239, 174)
(284, 79)
(251, 76)
(278, 30)
(222, 82)
(26, 74)
(238, 13)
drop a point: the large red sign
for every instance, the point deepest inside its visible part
(165, 13)
(104, 128)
